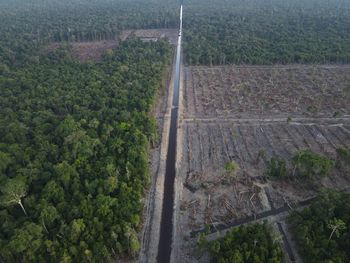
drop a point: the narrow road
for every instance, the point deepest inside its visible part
(166, 225)
(252, 218)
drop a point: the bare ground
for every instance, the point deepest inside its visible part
(88, 51)
(169, 33)
(246, 91)
(94, 50)
(241, 114)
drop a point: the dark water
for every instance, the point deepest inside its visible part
(166, 225)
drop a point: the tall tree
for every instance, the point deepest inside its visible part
(13, 192)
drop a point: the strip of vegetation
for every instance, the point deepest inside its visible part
(322, 230)
(305, 164)
(74, 143)
(246, 244)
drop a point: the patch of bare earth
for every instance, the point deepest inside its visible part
(152, 34)
(248, 115)
(92, 51)
(88, 51)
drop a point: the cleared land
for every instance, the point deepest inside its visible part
(240, 114)
(263, 91)
(94, 50)
(152, 34)
(88, 51)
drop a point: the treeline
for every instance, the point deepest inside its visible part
(74, 143)
(25, 25)
(266, 32)
(247, 244)
(322, 230)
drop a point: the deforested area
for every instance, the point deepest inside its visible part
(258, 141)
(174, 131)
(276, 91)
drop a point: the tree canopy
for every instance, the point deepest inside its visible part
(74, 142)
(266, 32)
(245, 244)
(322, 230)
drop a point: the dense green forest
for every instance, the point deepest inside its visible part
(75, 138)
(74, 142)
(322, 230)
(248, 244)
(26, 25)
(266, 32)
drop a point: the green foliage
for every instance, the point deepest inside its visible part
(266, 32)
(13, 191)
(276, 168)
(245, 244)
(231, 168)
(312, 109)
(321, 230)
(337, 226)
(338, 114)
(79, 136)
(311, 165)
(347, 90)
(343, 158)
(201, 242)
(35, 23)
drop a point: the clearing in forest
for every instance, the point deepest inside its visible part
(94, 50)
(88, 51)
(152, 34)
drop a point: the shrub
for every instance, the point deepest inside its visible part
(311, 165)
(277, 168)
(231, 169)
(343, 158)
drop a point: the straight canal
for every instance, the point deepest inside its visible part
(166, 225)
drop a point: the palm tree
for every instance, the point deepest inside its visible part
(13, 192)
(337, 225)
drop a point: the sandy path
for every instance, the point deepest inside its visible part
(178, 179)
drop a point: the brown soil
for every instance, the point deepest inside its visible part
(156, 34)
(263, 91)
(240, 114)
(88, 51)
(92, 51)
